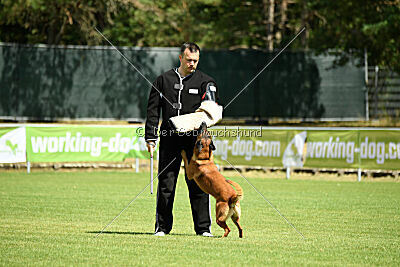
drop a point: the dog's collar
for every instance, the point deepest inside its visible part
(203, 159)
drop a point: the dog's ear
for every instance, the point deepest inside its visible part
(199, 145)
(212, 146)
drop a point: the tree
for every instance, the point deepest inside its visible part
(351, 27)
(348, 27)
(61, 22)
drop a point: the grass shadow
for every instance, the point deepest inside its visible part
(118, 233)
(139, 233)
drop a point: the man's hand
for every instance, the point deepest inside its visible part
(150, 147)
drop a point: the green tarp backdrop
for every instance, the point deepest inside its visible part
(43, 82)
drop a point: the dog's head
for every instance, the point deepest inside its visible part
(204, 144)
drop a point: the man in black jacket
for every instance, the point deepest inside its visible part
(177, 92)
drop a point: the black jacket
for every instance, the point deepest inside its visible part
(166, 96)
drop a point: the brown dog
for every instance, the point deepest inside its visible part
(202, 169)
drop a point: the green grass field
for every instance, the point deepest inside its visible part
(52, 218)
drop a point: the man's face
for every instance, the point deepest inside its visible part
(189, 61)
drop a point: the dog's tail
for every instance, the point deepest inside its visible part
(239, 191)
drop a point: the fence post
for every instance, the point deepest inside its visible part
(376, 91)
(288, 173)
(137, 165)
(366, 85)
(28, 167)
(359, 175)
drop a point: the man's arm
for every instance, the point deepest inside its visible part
(211, 92)
(153, 114)
(209, 111)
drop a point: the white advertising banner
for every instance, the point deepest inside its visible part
(12, 145)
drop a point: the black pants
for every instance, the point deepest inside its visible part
(170, 148)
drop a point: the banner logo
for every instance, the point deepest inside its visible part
(13, 145)
(294, 155)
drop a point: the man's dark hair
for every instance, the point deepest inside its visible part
(191, 46)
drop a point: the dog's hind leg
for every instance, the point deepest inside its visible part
(222, 209)
(236, 222)
(224, 226)
(235, 218)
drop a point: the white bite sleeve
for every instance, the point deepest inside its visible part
(209, 112)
